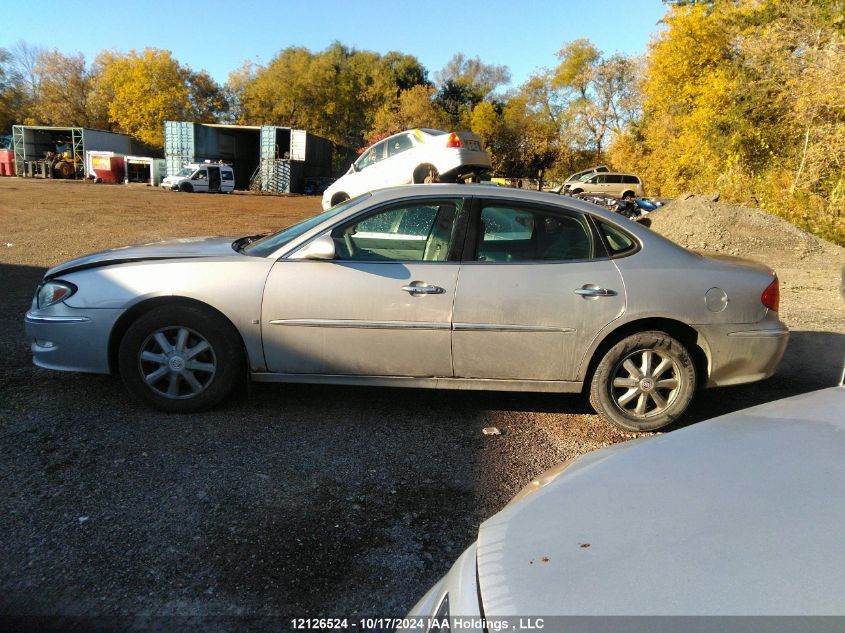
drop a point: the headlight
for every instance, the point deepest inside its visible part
(52, 292)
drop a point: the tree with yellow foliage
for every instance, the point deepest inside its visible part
(141, 90)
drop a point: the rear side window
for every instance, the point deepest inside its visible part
(618, 242)
(614, 179)
(632, 180)
(398, 145)
(227, 175)
(513, 234)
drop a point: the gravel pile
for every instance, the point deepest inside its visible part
(700, 223)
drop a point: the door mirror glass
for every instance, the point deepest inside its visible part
(321, 248)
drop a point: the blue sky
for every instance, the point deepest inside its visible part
(217, 36)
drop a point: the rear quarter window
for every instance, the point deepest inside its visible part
(618, 241)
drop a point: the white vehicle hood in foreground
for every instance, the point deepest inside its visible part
(170, 249)
(741, 515)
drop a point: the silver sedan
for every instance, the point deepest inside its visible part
(432, 286)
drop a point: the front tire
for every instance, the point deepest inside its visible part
(644, 382)
(186, 187)
(180, 358)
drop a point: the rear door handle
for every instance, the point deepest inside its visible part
(592, 290)
(423, 289)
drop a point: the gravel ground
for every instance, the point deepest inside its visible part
(288, 501)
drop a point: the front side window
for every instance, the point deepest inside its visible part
(202, 174)
(371, 156)
(412, 231)
(514, 234)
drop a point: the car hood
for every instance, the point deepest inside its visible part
(186, 247)
(719, 518)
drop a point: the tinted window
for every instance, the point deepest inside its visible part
(414, 231)
(512, 234)
(399, 144)
(630, 180)
(227, 175)
(613, 179)
(617, 240)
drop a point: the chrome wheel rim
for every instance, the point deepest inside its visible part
(177, 362)
(645, 383)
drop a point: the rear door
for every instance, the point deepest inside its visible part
(536, 287)
(382, 307)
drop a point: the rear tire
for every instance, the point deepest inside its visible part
(181, 358)
(338, 198)
(576, 191)
(644, 382)
(426, 174)
(628, 195)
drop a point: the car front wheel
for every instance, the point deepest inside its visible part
(180, 358)
(644, 382)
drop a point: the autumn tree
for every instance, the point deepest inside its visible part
(12, 93)
(413, 108)
(141, 90)
(63, 95)
(208, 99)
(335, 93)
(464, 83)
(746, 97)
(600, 92)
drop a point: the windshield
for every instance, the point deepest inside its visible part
(271, 243)
(186, 171)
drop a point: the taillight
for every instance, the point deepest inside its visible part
(771, 295)
(454, 140)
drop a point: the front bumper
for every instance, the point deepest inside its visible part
(68, 339)
(743, 353)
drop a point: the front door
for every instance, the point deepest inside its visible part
(382, 307)
(536, 292)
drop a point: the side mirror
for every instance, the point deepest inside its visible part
(320, 248)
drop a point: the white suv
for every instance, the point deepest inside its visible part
(414, 156)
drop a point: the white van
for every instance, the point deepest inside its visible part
(205, 177)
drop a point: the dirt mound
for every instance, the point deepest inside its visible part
(699, 223)
(809, 268)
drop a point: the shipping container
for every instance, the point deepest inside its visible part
(288, 157)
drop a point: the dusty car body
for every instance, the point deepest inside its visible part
(719, 518)
(434, 286)
(414, 156)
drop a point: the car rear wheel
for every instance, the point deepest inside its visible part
(426, 174)
(644, 382)
(338, 198)
(576, 191)
(628, 195)
(180, 358)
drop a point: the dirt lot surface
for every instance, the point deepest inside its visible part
(291, 500)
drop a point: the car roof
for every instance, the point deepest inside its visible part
(717, 518)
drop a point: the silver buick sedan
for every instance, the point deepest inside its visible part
(433, 286)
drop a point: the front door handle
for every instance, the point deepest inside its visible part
(423, 289)
(592, 290)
